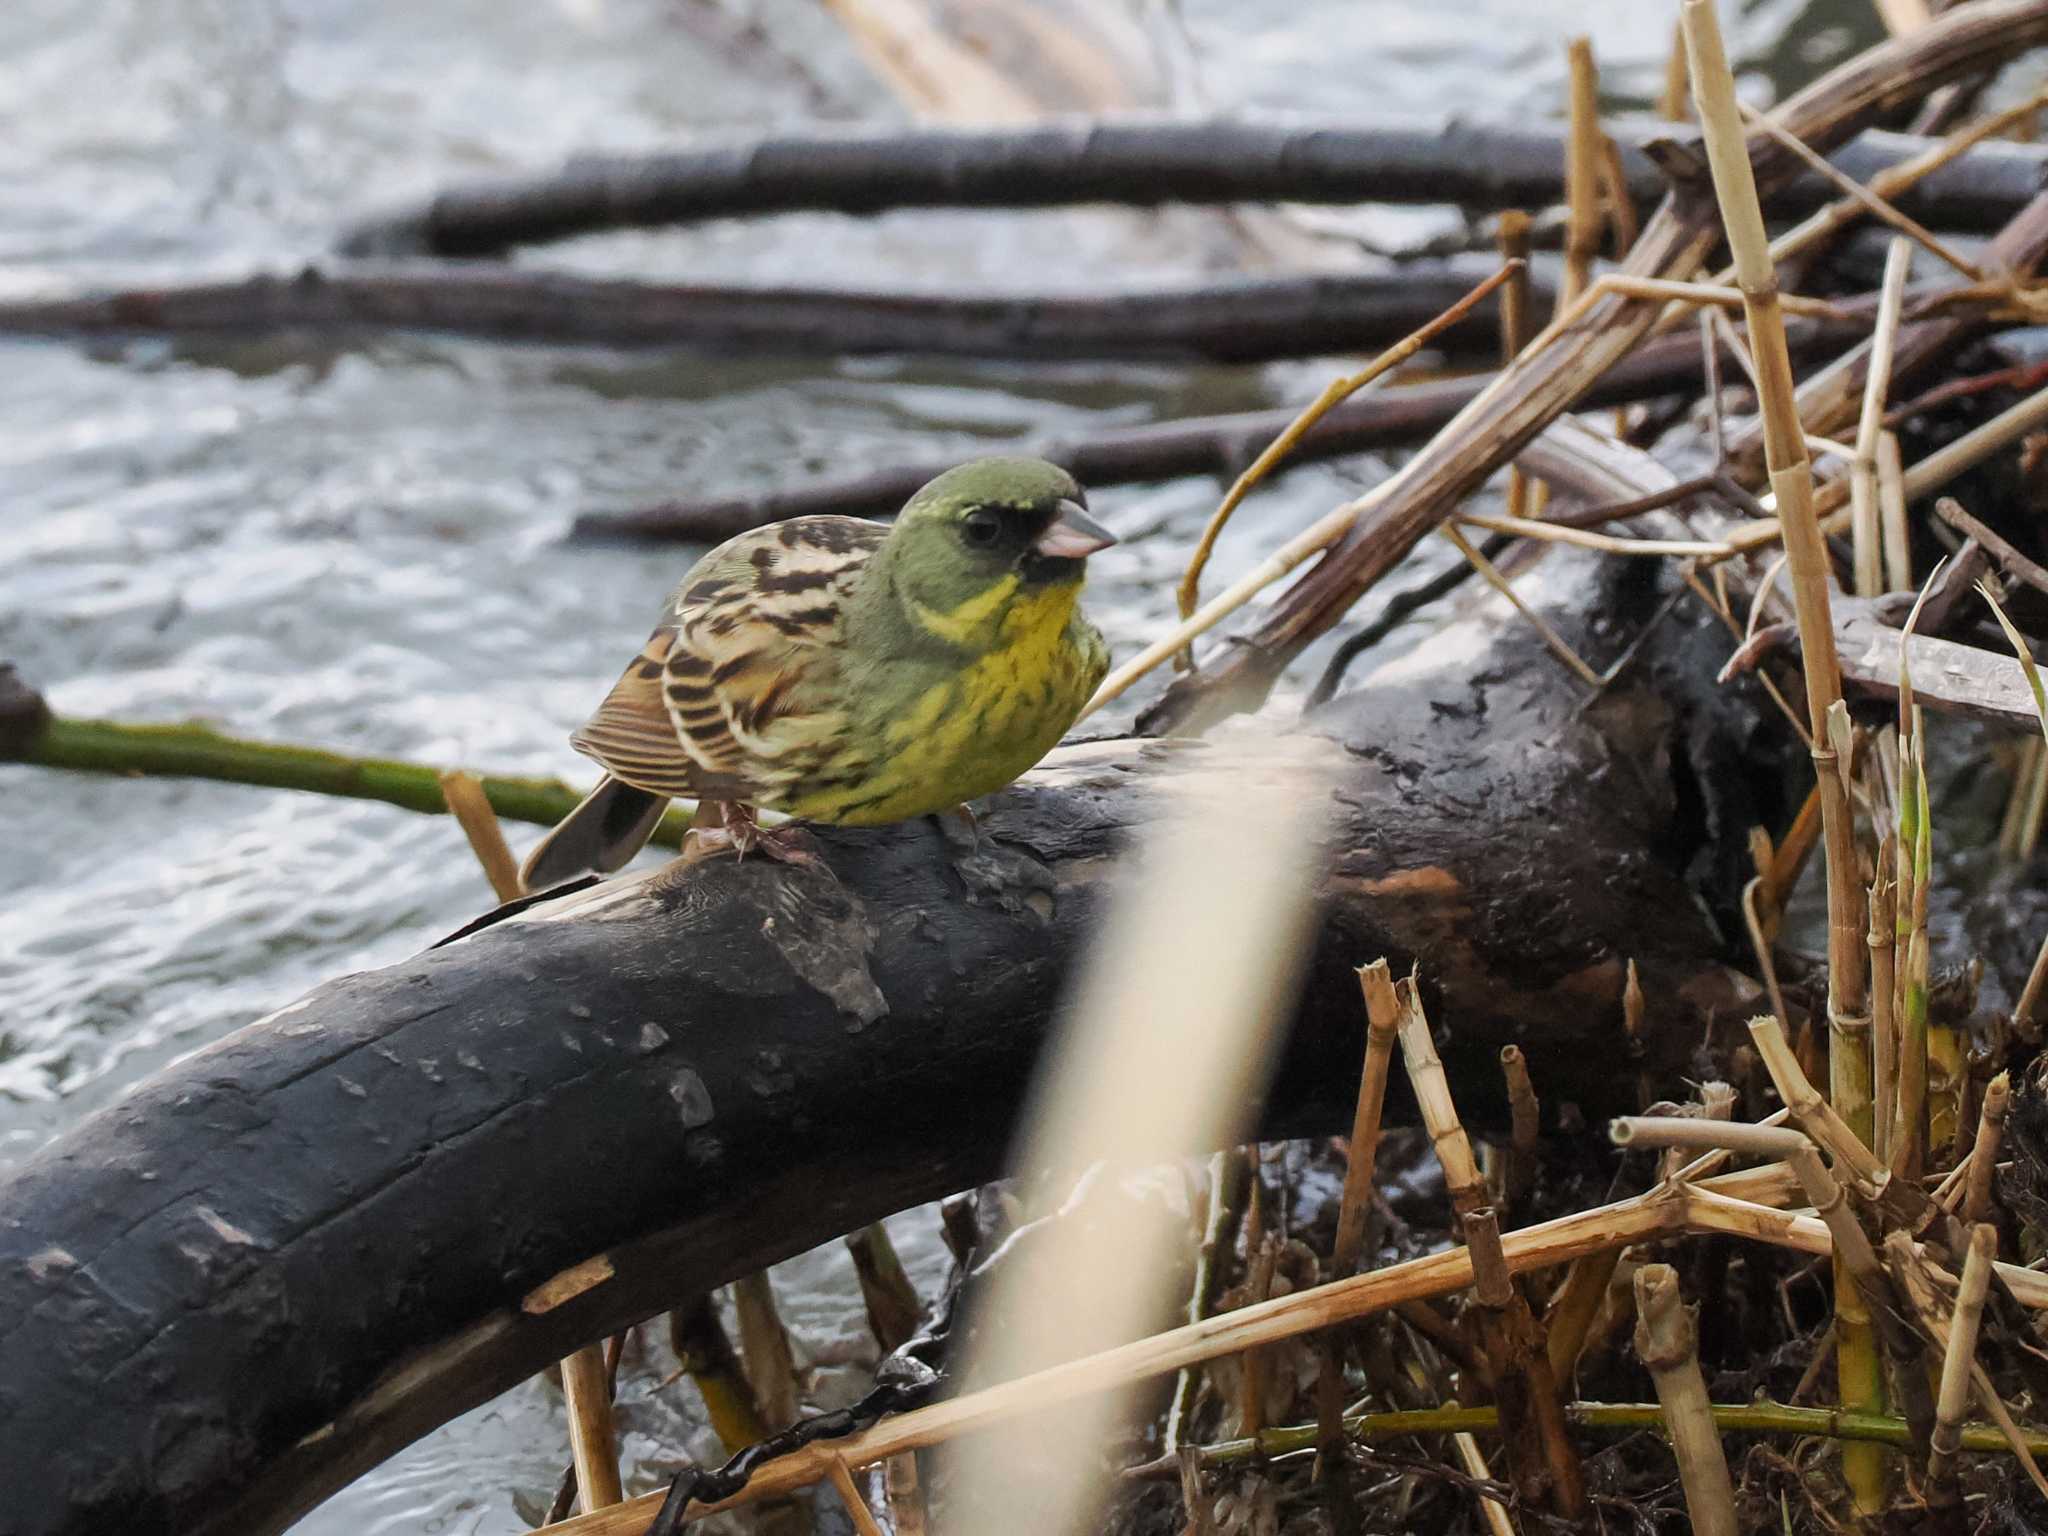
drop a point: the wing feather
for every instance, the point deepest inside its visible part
(631, 733)
(729, 698)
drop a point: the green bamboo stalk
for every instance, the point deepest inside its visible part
(1757, 1418)
(195, 751)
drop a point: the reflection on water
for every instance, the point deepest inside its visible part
(359, 547)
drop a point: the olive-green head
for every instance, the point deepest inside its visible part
(967, 531)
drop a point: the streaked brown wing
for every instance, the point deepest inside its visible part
(631, 733)
(757, 626)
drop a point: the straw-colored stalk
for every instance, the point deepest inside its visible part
(464, 792)
(764, 1346)
(1953, 1400)
(1383, 1018)
(1251, 1375)
(1662, 1214)
(1667, 1345)
(856, 1507)
(1462, 1179)
(1525, 1119)
(1588, 538)
(1884, 1042)
(1791, 478)
(1849, 1059)
(1856, 1263)
(1672, 99)
(892, 1304)
(1925, 1288)
(1760, 1417)
(587, 1394)
(1554, 642)
(1229, 1182)
(1984, 1153)
(1865, 529)
(1869, 201)
(1902, 16)
(1511, 239)
(1581, 173)
(1813, 1114)
(2028, 1007)
(1334, 394)
(1925, 477)
(1910, 1130)
(1891, 514)
(1569, 1319)
(1473, 1460)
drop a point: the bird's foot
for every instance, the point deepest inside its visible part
(725, 827)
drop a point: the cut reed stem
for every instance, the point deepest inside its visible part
(587, 1394)
(1984, 1153)
(1954, 1397)
(1666, 1344)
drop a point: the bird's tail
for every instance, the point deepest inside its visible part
(609, 826)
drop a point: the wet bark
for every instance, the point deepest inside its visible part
(1475, 165)
(1236, 320)
(288, 1255)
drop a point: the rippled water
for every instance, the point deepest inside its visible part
(360, 547)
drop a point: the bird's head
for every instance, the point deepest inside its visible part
(987, 543)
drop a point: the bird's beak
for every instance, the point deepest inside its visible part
(1074, 535)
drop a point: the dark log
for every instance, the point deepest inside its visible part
(291, 1253)
(1123, 160)
(1223, 445)
(1235, 320)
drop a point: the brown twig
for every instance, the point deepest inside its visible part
(1870, 201)
(1333, 395)
(1526, 1124)
(1542, 1462)
(1383, 1016)
(1950, 511)
(464, 792)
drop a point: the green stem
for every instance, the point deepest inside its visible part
(1734, 1418)
(193, 751)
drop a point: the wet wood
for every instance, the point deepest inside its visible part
(293, 1252)
(1221, 445)
(1236, 320)
(1129, 160)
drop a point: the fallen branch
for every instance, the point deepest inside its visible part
(1475, 165)
(1239, 320)
(1222, 445)
(323, 1227)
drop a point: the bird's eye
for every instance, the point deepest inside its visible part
(981, 528)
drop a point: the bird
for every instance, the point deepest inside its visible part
(848, 672)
